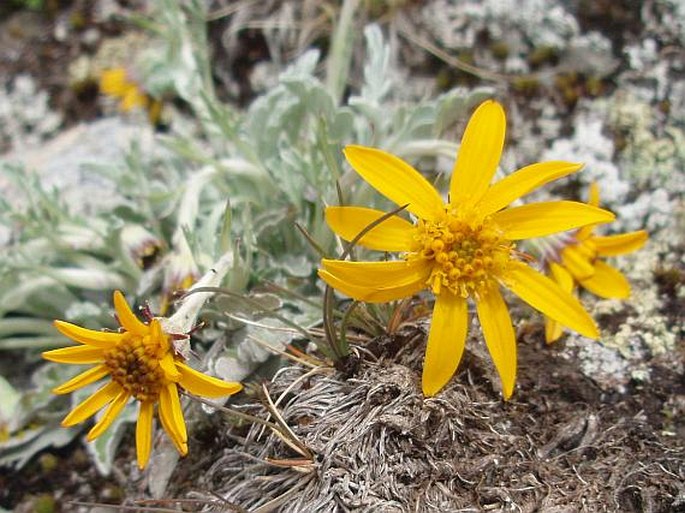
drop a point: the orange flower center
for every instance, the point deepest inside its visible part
(135, 364)
(468, 254)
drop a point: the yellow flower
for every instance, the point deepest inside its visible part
(575, 259)
(141, 363)
(118, 83)
(460, 249)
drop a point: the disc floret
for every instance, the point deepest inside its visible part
(135, 364)
(467, 254)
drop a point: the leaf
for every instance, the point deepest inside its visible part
(9, 402)
(377, 72)
(32, 442)
(103, 449)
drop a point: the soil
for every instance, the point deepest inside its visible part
(32, 44)
(561, 443)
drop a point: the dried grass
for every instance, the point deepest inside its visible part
(378, 445)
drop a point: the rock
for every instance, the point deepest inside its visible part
(66, 162)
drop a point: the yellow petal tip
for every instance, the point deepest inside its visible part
(430, 391)
(431, 387)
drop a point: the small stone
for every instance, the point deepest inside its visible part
(91, 37)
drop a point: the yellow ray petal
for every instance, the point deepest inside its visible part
(132, 99)
(546, 296)
(171, 415)
(167, 424)
(523, 181)
(396, 180)
(479, 153)
(392, 234)
(446, 341)
(585, 233)
(76, 354)
(499, 337)
(103, 339)
(377, 274)
(169, 367)
(554, 330)
(85, 378)
(607, 282)
(593, 196)
(113, 410)
(374, 294)
(612, 245)
(561, 276)
(144, 433)
(92, 404)
(113, 82)
(207, 386)
(126, 317)
(593, 199)
(545, 218)
(576, 263)
(587, 248)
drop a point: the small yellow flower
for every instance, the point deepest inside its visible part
(141, 363)
(575, 259)
(460, 249)
(118, 83)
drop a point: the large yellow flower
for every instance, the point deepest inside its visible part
(460, 249)
(141, 363)
(575, 259)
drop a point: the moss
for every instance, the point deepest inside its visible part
(48, 462)
(568, 86)
(444, 79)
(500, 50)
(620, 141)
(543, 55)
(594, 86)
(466, 56)
(80, 458)
(527, 86)
(379, 8)
(669, 279)
(113, 493)
(78, 20)
(44, 504)
(664, 107)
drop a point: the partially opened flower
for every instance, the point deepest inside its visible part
(462, 249)
(139, 246)
(575, 259)
(180, 272)
(141, 363)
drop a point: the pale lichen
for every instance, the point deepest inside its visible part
(590, 144)
(457, 23)
(26, 118)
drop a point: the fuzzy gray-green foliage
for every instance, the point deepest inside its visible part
(222, 180)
